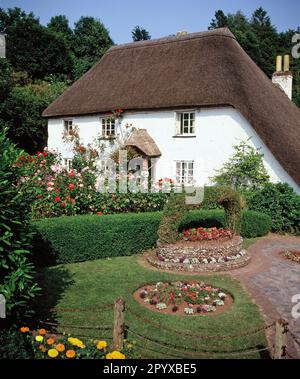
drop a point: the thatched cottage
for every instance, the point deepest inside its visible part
(188, 100)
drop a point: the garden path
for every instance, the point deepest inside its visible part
(272, 280)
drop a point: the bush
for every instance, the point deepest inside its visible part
(82, 238)
(280, 202)
(14, 346)
(16, 271)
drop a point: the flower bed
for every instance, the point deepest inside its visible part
(183, 298)
(49, 346)
(292, 255)
(205, 234)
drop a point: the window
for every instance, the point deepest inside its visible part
(68, 163)
(103, 166)
(184, 172)
(68, 124)
(108, 128)
(186, 123)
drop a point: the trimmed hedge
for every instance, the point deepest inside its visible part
(83, 238)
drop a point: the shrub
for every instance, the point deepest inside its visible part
(255, 224)
(280, 202)
(16, 270)
(81, 238)
(175, 210)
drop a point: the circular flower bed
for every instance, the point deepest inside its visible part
(205, 234)
(292, 255)
(183, 298)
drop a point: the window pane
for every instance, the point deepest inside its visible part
(186, 116)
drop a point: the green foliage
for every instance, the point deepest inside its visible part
(83, 238)
(140, 34)
(21, 113)
(280, 202)
(16, 271)
(14, 346)
(261, 41)
(175, 211)
(245, 169)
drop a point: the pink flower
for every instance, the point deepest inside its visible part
(63, 204)
(72, 174)
(73, 201)
(100, 214)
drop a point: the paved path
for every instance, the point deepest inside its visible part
(273, 281)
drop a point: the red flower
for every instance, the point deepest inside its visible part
(100, 214)
(56, 190)
(72, 174)
(71, 187)
(57, 199)
(63, 204)
(67, 198)
(73, 201)
(44, 154)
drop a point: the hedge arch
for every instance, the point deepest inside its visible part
(176, 209)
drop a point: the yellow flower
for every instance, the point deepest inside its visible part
(101, 345)
(115, 355)
(76, 342)
(134, 342)
(39, 338)
(53, 353)
(129, 346)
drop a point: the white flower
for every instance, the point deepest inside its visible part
(221, 295)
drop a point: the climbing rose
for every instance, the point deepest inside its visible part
(57, 199)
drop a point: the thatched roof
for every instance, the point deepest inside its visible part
(201, 69)
(141, 139)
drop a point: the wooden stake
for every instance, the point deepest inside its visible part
(119, 325)
(280, 339)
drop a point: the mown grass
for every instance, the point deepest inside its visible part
(93, 284)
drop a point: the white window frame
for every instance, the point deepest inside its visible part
(103, 166)
(68, 126)
(185, 171)
(68, 164)
(186, 123)
(108, 127)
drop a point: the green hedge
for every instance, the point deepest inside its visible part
(82, 238)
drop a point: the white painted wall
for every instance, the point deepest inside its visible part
(217, 131)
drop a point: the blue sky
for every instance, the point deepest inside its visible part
(160, 17)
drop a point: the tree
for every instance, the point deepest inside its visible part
(21, 113)
(140, 34)
(60, 25)
(32, 47)
(220, 20)
(245, 169)
(91, 41)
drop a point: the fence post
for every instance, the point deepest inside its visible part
(119, 325)
(280, 339)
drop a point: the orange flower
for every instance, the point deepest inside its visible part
(50, 341)
(42, 332)
(42, 348)
(24, 329)
(70, 354)
(60, 347)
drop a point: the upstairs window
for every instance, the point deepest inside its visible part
(185, 123)
(184, 172)
(68, 164)
(68, 125)
(108, 128)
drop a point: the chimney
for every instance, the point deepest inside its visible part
(283, 76)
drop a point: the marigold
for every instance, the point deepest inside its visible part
(101, 345)
(24, 329)
(115, 355)
(50, 341)
(53, 353)
(42, 348)
(76, 342)
(70, 354)
(60, 347)
(42, 332)
(39, 338)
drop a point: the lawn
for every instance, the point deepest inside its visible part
(79, 291)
